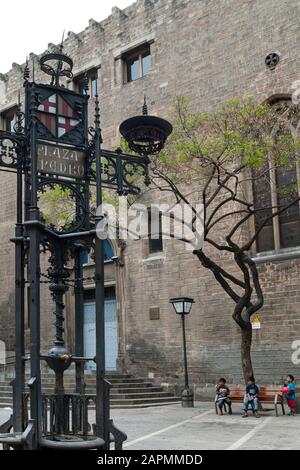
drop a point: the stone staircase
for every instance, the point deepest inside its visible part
(126, 392)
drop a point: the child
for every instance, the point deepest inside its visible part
(222, 397)
(251, 397)
(289, 391)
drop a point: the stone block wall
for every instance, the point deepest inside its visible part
(210, 52)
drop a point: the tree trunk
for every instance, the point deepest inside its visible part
(246, 337)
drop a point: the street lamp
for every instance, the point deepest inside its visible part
(145, 135)
(183, 306)
(53, 146)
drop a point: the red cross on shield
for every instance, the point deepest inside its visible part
(57, 115)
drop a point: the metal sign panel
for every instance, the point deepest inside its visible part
(60, 160)
(61, 115)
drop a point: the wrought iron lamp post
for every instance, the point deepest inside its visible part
(53, 146)
(182, 307)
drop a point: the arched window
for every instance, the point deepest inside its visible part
(108, 253)
(108, 250)
(276, 188)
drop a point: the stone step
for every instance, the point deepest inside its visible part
(115, 380)
(5, 388)
(132, 392)
(139, 401)
(140, 395)
(6, 403)
(117, 386)
(88, 377)
(7, 396)
(91, 385)
(172, 401)
(91, 389)
(145, 405)
(126, 391)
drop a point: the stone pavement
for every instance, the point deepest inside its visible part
(173, 427)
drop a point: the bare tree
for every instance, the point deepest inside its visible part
(217, 159)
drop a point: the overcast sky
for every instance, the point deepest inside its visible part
(29, 25)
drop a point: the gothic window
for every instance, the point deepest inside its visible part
(109, 293)
(155, 230)
(289, 220)
(94, 88)
(137, 63)
(108, 250)
(92, 76)
(262, 204)
(108, 253)
(273, 190)
(8, 119)
(85, 257)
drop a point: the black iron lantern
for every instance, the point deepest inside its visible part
(146, 134)
(183, 306)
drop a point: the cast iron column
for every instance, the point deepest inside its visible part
(102, 405)
(34, 264)
(187, 396)
(79, 312)
(19, 381)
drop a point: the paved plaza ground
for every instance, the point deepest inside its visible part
(173, 427)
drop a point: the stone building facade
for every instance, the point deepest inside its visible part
(210, 52)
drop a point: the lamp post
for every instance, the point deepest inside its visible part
(54, 147)
(182, 307)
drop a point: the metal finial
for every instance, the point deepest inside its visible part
(97, 116)
(145, 107)
(85, 84)
(33, 69)
(26, 73)
(63, 67)
(62, 41)
(18, 125)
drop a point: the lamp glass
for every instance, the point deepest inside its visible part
(179, 306)
(182, 305)
(187, 306)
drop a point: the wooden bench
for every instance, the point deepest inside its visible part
(267, 395)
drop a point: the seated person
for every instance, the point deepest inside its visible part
(222, 395)
(251, 397)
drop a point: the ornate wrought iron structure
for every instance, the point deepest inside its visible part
(52, 147)
(146, 134)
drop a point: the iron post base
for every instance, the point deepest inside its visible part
(187, 398)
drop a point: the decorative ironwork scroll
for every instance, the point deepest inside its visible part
(11, 150)
(69, 213)
(122, 172)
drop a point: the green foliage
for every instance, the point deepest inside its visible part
(57, 206)
(238, 132)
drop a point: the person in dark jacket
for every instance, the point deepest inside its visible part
(251, 397)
